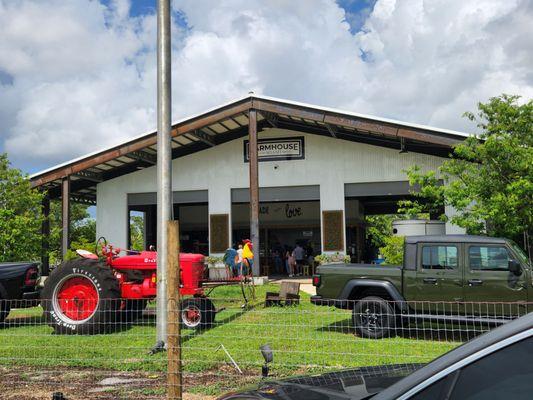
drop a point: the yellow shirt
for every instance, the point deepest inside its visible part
(247, 252)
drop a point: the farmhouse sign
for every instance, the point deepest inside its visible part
(279, 149)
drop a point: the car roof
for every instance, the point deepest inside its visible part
(453, 238)
(499, 334)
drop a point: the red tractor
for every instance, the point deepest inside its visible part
(96, 293)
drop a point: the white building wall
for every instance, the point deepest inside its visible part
(328, 162)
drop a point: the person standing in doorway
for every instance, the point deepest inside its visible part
(239, 259)
(248, 256)
(277, 257)
(290, 262)
(299, 256)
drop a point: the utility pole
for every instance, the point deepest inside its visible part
(164, 163)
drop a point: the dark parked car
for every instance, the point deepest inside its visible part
(448, 278)
(18, 286)
(494, 366)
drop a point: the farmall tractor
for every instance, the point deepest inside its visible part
(97, 293)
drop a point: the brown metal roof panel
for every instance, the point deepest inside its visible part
(230, 124)
(218, 128)
(183, 140)
(242, 119)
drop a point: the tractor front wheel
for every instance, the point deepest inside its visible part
(81, 296)
(197, 313)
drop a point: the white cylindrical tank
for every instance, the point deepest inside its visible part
(414, 227)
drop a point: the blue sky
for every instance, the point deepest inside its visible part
(86, 78)
(356, 10)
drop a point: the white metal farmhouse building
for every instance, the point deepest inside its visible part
(320, 171)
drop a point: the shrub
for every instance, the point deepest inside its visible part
(393, 250)
(332, 258)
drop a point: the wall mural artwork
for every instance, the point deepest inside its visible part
(219, 232)
(333, 230)
(286, 210)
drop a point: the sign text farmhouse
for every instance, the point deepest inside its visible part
(278, 149)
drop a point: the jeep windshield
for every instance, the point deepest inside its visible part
(519, 253)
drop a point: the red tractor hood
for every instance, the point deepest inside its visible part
(148, 260)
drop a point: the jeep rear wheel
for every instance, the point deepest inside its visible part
(81, 297)
(373, 318)
(197, 313)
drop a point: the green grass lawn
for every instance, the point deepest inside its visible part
(305, 338)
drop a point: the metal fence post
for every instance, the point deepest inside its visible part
(174, 370)
(164, 160)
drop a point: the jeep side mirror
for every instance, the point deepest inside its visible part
(515, 267)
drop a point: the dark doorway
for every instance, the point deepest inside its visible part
(282, 226)
(194, 237)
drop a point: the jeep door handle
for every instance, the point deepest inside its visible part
(430, 281)
(475, 282)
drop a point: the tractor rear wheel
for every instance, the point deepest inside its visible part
(81, 296)
(197, 313)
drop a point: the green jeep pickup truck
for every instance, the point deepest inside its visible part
(449, 278)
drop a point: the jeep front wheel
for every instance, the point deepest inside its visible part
(373, 318)
(81, 297)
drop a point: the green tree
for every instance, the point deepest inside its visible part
(82, 230)
(428, 200)
(379, 228)
(490, 177)
(393, 250)
(20, 215)
(137, 232)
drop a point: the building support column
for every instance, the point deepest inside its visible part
(65, 216)
(254, 188)
(45, 237)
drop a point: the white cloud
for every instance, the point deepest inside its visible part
(83, 76)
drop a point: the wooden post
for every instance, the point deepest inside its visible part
(174, 367)
(65, 215)
(254, 188)
(45, 237)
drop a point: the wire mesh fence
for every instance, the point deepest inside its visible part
(102, 350)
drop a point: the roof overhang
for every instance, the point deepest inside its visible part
(229, 122)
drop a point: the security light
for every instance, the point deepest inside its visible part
(268, 355)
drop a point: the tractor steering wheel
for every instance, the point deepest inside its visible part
(101, 244)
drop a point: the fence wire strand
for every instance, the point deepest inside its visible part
(111, 357)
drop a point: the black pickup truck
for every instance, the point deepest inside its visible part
(450, 278)
(18, 286)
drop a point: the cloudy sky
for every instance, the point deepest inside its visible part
(79, 75)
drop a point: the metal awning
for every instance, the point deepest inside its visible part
(229, 122)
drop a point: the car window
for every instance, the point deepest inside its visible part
(435, 391)
(506, 374)
(503, 375)
(439, 257)
(488, 258)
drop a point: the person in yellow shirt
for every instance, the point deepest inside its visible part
(248, 255)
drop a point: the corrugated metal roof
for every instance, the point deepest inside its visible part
(230, 121)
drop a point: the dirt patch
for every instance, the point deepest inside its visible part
(32, 383)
